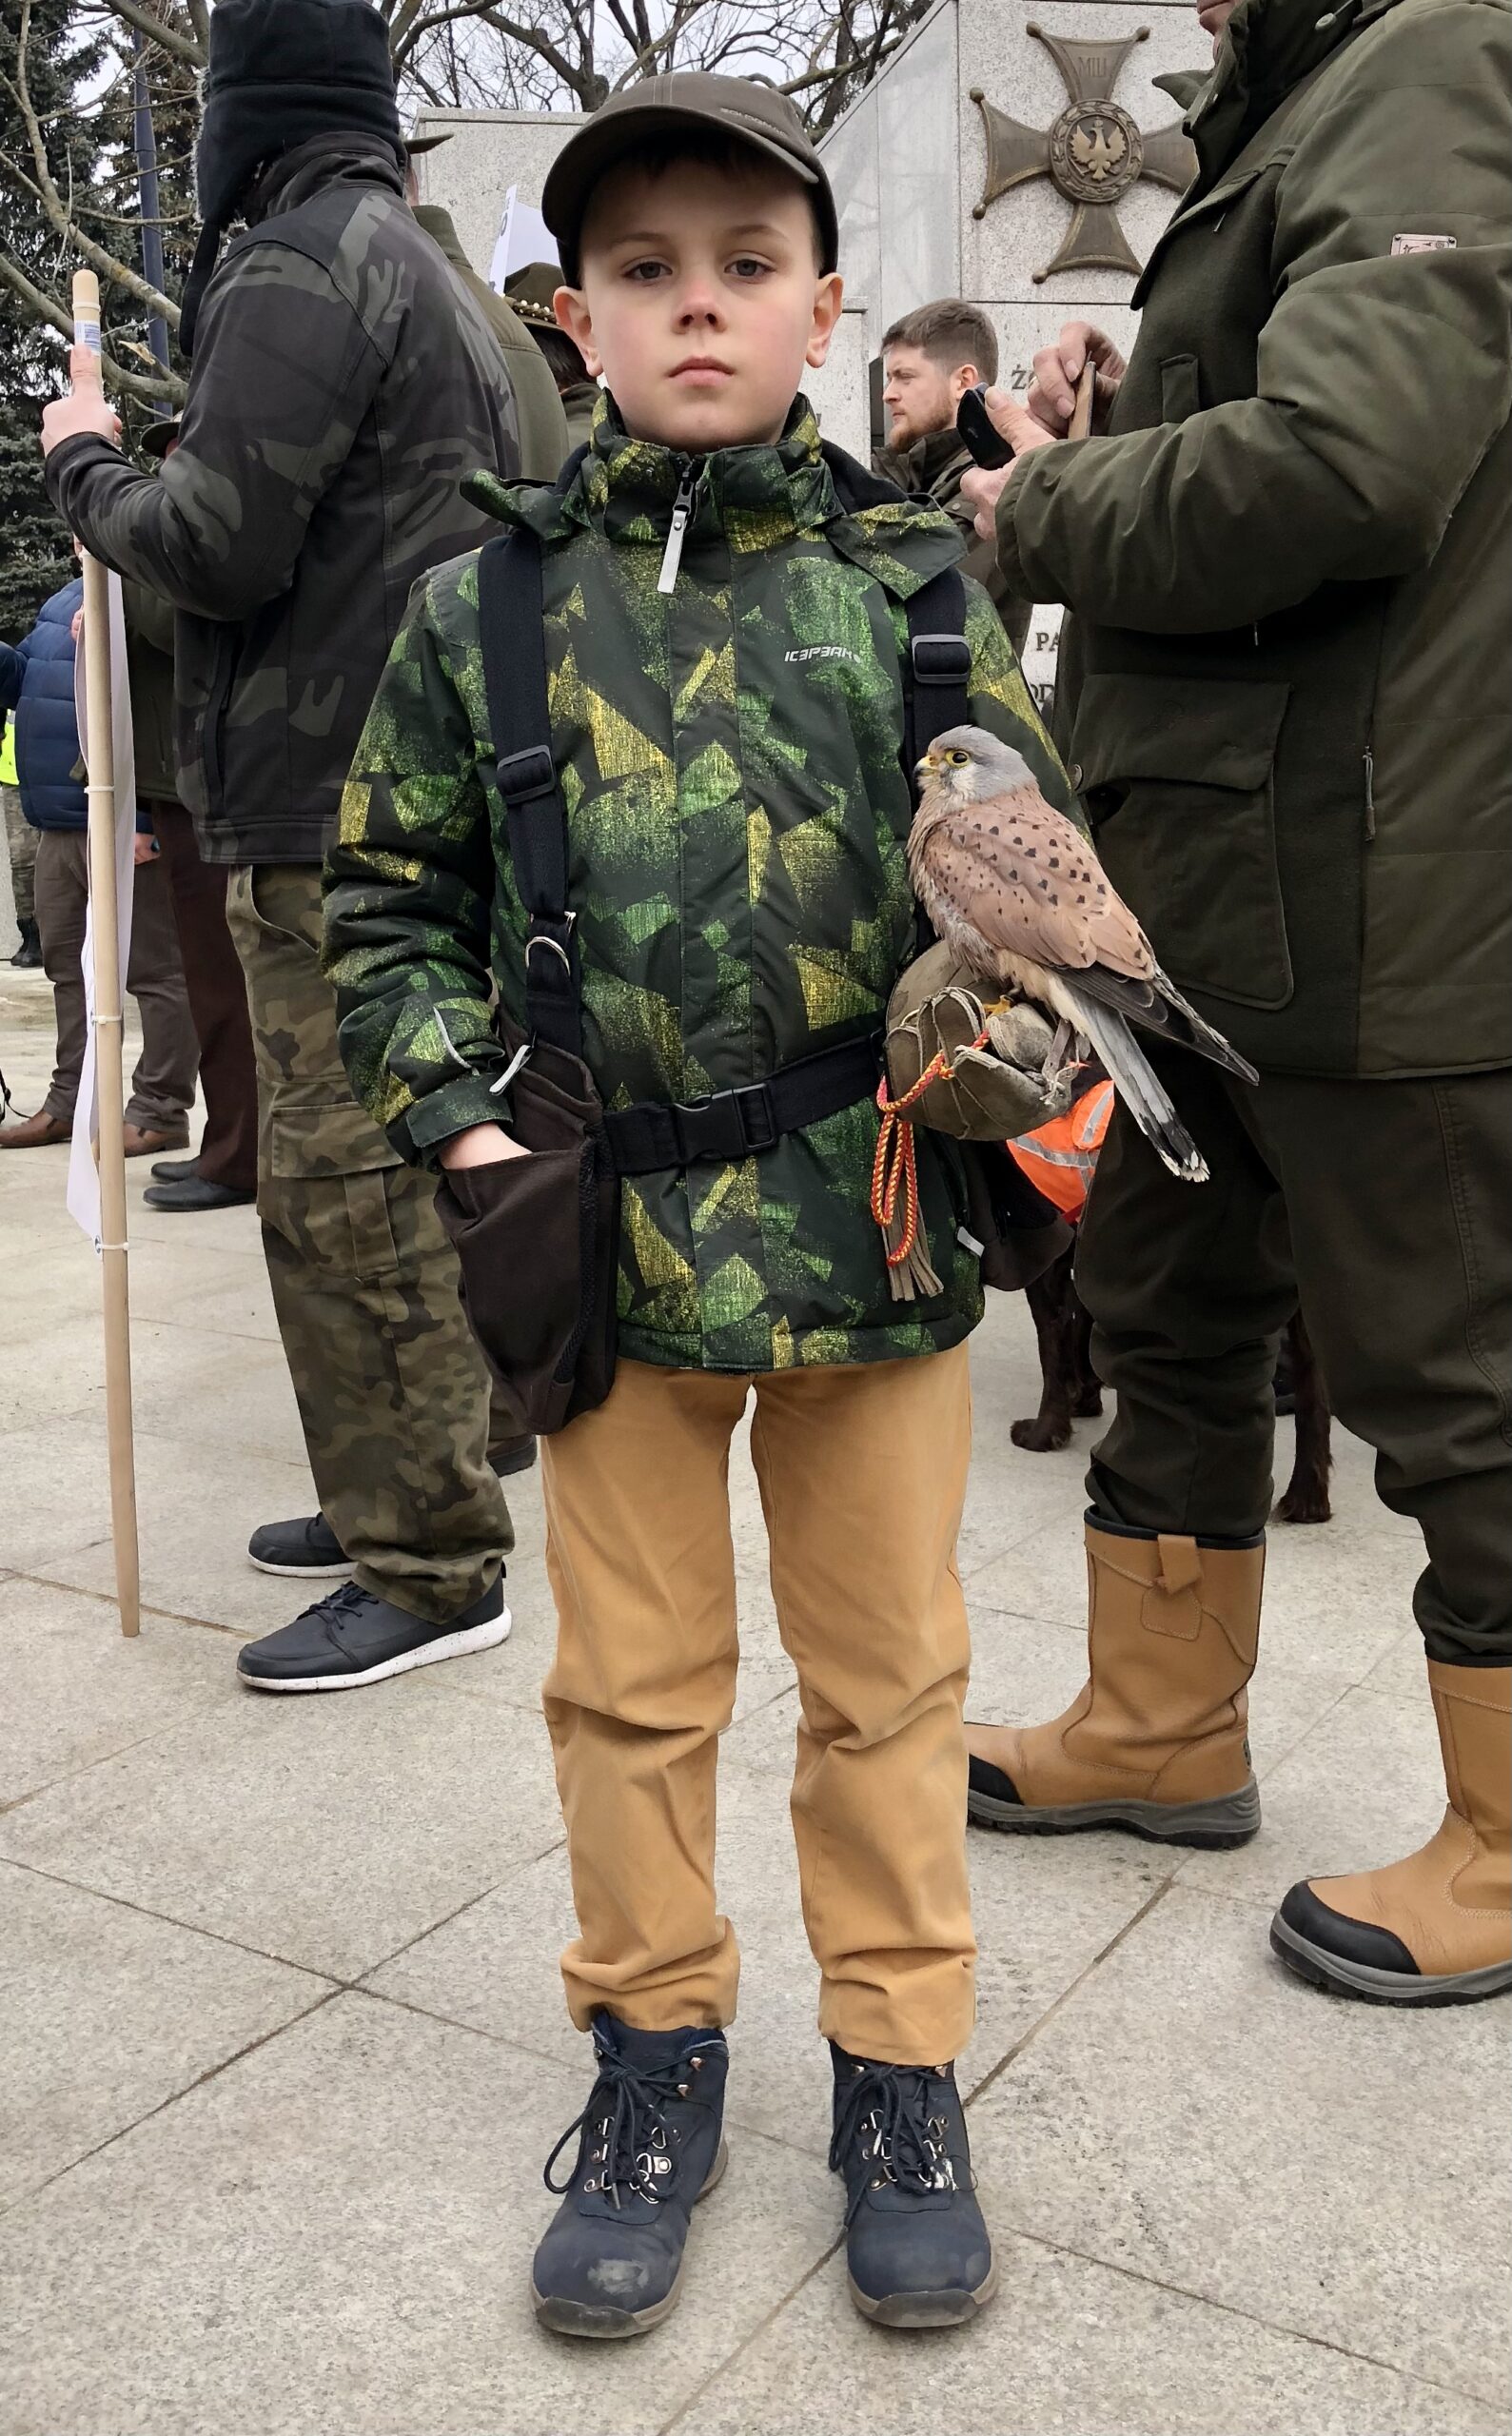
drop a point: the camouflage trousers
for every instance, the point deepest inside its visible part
(392, 1390)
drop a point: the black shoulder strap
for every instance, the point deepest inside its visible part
(511, 626)
(936, 684)
(937, 672)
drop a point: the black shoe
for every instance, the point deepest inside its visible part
(193, 1193)
(917, 2249)
(352, 1638)
(512, 1455)
(28, 958)
(174, 1171)
(306, 1547)
(610, 2263)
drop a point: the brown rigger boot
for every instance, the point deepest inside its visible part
(1435, 1928)
(1156, 1740)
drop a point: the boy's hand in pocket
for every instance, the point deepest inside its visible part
(481, 1145)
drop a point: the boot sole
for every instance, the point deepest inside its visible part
(1210, 1826)
(592, 2324)
(455, 1645)
(1375, 1986)
(919, 2310)
(300, 1572)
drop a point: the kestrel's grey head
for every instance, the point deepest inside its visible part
(965, 765)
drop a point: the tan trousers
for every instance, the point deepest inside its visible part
(862, 1471)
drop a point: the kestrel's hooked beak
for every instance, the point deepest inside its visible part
(927, 764)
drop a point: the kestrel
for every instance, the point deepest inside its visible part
(1016, 891)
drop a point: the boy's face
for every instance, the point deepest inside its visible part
(700, 301)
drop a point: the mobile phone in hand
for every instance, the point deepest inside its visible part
(980, 433)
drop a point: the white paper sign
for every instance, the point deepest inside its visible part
(523, 237)
(84, 1174)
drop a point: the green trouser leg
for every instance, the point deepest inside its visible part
(1384, 1207)
(392, 1390)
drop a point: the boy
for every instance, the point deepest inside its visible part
(724, 644)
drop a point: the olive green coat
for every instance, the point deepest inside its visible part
(1287, 681)
(543, 442)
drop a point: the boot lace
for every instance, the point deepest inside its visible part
(884, 2115)
(624, 2131)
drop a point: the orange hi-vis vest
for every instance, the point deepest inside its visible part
(1059, 1158)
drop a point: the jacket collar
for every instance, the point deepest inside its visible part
(322, 161)
(753, 498)
(931, 458)
(1269, 47)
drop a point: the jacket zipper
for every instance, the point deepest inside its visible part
(1370, 790)
(688, 481)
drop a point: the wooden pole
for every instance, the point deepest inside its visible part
(108, 1041)
(1081, 422)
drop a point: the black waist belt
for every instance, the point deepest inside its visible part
(732, 1125)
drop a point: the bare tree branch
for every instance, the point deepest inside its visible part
(46, 309)
(52, 202)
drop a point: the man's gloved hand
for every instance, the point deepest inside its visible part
(85, 407)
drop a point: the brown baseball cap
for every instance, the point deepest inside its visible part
(691, 101)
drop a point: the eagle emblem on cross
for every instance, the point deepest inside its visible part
(1092, 154)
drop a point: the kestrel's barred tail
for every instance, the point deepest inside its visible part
(1137, 1082)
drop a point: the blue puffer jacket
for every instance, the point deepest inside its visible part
(36, 679)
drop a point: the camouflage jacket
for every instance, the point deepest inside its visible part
(737, 811)
(342, 385)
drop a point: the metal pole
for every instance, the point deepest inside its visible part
(146, 170)
(108, 1057)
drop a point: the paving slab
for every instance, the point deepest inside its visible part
(1364, 1786)
(107, 2012)
(198, 1503)
(74, 1691)
(1068, 2348)
(1204, 2118)
(335, 2233)
(326, 1831)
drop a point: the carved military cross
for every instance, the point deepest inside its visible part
(1092, 154)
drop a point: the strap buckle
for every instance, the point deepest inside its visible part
(941, 660)
(521, 777)
(725, 1125)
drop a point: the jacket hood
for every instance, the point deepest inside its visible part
(752, 498)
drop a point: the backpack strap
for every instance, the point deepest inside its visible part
(936, 683)
(937, 672)
(511, 626)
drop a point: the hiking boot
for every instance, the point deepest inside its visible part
(28, 958)
(917, 2247)
(610, 2263)
(306, 1546)
(351, 1638)
(1155, 1742)
(1435, 1928)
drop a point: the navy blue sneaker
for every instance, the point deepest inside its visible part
(610, 2263)
(919, 2251)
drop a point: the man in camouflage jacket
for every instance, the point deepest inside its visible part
(737, 811)
(342, 384)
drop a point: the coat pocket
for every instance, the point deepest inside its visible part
(1179, 780)
(537, 1242)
